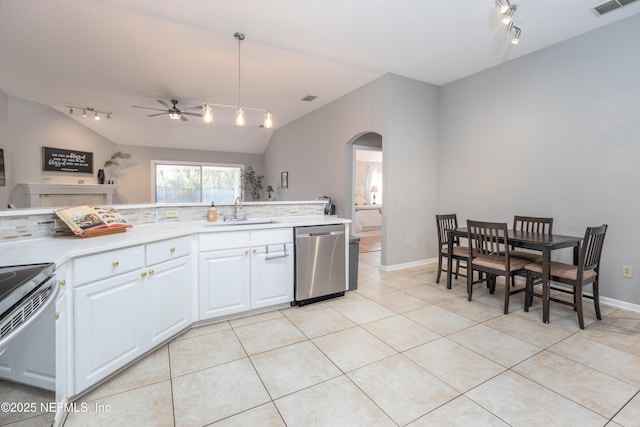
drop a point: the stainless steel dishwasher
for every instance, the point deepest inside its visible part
(320, 263)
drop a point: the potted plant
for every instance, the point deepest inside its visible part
(251, 184)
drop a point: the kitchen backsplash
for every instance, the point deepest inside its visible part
(43, 225)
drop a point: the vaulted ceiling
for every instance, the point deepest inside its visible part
(113, 54)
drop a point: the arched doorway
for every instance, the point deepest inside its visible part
(366, 191)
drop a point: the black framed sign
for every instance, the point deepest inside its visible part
(61, 160)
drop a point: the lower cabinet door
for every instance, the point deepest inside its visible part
(272, 275)
(224, 282)
(106, 335)
(166, 294)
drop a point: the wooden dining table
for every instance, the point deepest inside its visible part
(545, 243)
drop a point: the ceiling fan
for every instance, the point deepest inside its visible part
(172, 110)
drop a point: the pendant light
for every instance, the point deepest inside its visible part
(241, 117)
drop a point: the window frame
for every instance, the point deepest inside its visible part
(155, 163)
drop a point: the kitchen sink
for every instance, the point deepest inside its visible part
(242, 221)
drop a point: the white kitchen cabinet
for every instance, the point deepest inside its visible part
(256, 273)
(225, 282)
(107, 330)
(167, 300)
(124, 315)
(271, 275)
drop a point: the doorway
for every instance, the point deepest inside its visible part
(367, 187)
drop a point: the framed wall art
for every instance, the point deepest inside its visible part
(62, 160)
(284, 180)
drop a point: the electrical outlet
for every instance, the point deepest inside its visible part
(627, 271)
(293, 209)
(171, 214)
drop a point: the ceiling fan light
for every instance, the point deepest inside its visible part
(240, 117)
(268, 120)
(173, 115)
(207, 114)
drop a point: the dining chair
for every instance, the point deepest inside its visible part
(489, 253)
(460, 253)
(531, 224)
(576, 276)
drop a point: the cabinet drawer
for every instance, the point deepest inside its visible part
(107, 264)
(269, 237)
(225, 240)
(168, 249)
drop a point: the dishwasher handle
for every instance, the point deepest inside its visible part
(320, 233)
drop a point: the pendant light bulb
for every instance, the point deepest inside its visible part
(268, 120)
(240, 118)
(207, 114)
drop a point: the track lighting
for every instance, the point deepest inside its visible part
(502, 5)
(507, 16)
(96, 113)
(515, 39)
(507, 10)
(241, 118)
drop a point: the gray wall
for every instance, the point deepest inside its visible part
(4, 144)
(32, 126)
(135, 185)
(554, 133)
(315, 151)
(26, 126)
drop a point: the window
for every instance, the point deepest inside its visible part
(196, 183)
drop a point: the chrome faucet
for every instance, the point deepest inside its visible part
(237, 203)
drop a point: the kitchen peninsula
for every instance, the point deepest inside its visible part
(123, 295)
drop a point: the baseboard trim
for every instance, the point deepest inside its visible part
(604, 300)
(408, 264)
(620, 304)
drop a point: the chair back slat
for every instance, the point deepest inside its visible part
(591, 250)
(445, 223)
(484, 238)
(532, 224)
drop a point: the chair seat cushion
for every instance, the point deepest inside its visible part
(562, 270)
(530, 256)
(498, 262)
(458, 251)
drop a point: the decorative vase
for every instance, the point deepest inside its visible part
(100, 176)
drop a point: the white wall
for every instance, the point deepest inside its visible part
(555, 133)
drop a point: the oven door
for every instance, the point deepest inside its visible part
(27, 342)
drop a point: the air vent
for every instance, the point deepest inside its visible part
(309, 98)
(610, 6)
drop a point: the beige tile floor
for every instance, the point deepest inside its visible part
(401, 350)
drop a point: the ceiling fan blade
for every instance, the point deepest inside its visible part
(165, 104)
(148, 108)
(159, 114)
(195, 107)
(183, 118)
(191, 114)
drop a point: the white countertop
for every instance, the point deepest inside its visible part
(60, 250)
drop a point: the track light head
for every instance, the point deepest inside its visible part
(515, 39)
(507, 16)
(502, 5)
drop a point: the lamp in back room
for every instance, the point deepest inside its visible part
(374, 190)
(269, 190)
